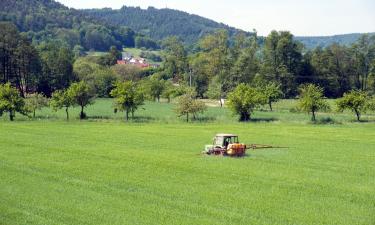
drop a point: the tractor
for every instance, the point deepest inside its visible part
(226, 145)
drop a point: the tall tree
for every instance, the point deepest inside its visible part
(282, 60)
(19, 60)
(364, 54)
(57, 68)
(175, 57)
(246, 66)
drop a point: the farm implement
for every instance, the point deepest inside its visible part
(228, 145)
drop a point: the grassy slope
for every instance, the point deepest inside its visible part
(110, 172)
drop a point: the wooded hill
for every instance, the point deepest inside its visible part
(161, 23)
(43, 20)
(99, 29)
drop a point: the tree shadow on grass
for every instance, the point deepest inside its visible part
(204, 119)
(326, 120)
(98, 118)
(262, 120)
(142, 119)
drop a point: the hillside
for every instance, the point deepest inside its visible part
(324, 41)
(44, 20)
(161, 23)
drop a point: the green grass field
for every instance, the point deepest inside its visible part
(149, 171)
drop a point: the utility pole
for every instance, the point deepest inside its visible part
(190, 77)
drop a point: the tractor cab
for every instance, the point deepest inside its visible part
(223, 140)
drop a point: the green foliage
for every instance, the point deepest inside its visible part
(188, 105)
(272, 92)
(127, 72)
(282, 60)
(36, 102)
(356, 101)
(311, 100)
(100, 77)
(246, 64)
(82, 95)
(145, 42)
(243, 100)
(62, 99)
(111, 58)
(175, 58)
(215, 90)
(57, 67)
(155, 87)
(19, 60)
(128, 97)
(151, 56)
(11, 101)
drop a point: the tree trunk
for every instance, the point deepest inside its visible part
(270, 104)
(245, 116)
(187, 117)
(127, 115)
(82, 114)
(358, 114)
(158, 98)
(313, 116)
(221, 103)
(11, 115)
(34, 113)
(67, 113)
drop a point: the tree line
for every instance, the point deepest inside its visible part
(217, 64)
(213, 68)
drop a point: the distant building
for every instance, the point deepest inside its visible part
(128, 59)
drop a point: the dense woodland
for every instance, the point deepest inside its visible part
(45, 20)
(161, 23)
(43, 49)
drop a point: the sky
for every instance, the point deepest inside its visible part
(301, 17)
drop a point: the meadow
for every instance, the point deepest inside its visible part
(149, 171)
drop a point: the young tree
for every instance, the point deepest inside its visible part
(128, 97)
(215, 90)
(61, 99)
(82, 95)
(311, 99)
(11, 101)
(356, 101)
(188, 105)
(243, 100)
(272, 92)
(36, 102)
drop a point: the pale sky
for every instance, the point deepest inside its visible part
(301, 17)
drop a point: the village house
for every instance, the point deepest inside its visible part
(128, 58)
